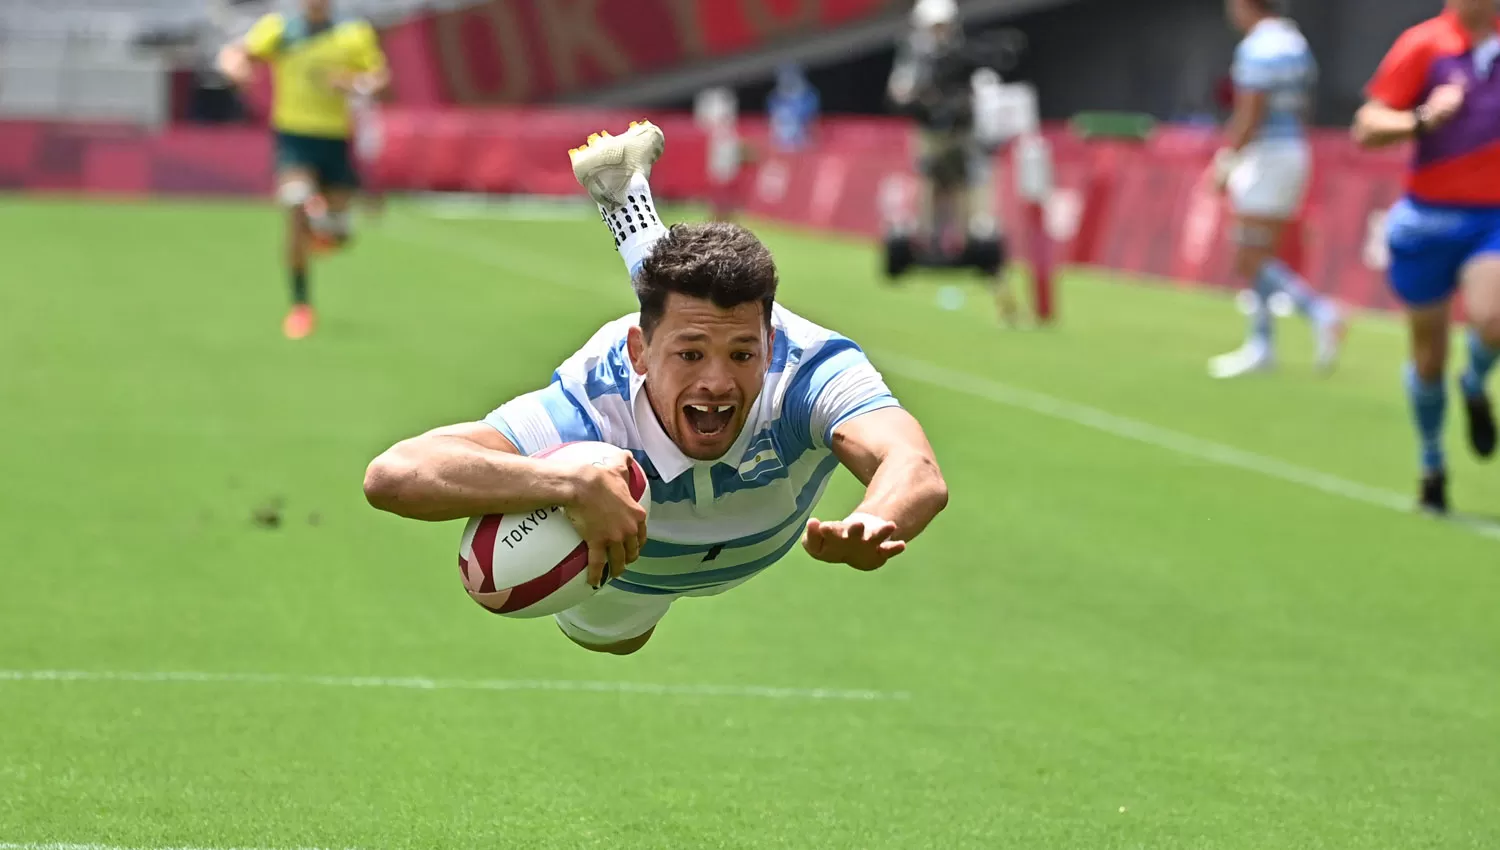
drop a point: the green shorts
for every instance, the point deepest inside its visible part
(330, 160)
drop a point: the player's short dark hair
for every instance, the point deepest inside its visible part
(717, 261)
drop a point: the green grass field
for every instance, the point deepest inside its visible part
(1161, 612)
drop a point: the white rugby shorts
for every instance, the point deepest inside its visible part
(612, 615)
(1270, 180)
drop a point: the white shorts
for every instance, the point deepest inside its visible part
(613, 615)
(1270, 180)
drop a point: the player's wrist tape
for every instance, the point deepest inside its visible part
(636, 226)
(867, 519)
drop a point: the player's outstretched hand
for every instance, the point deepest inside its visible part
(862, 542)
(609, 520)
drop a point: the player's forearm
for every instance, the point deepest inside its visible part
(1237, 134)
(907, 489)
(373, 83)
(234, 63)
(1377, 125)
(440, 478)
(1249, 113)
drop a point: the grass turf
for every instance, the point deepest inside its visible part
(1104, 644)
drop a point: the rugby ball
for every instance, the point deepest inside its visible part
(535, 564)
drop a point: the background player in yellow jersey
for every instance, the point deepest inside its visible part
(318, 62)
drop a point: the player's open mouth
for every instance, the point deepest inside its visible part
(708, 420)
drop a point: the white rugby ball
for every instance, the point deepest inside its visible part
(535, 564)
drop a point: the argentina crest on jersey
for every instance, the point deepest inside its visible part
(760, 461)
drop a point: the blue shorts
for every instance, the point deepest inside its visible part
(1430, 244)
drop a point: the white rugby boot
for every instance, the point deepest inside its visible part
(606, 164)
(1331, 330)
(1253, 356)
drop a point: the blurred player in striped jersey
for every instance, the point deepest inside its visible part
(738, 410)
(1439, 86)
(1264, 166)
(318, 63)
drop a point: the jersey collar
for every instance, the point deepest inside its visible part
(1273, 22)
(669, 460)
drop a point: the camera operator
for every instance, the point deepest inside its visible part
(944, 82)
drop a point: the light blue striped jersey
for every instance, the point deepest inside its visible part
(712, 522)
(1275, 58)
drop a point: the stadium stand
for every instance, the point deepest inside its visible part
(110, 60)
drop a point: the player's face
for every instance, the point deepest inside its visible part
(704, 367)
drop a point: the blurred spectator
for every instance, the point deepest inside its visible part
(716, 111)
(793, 108)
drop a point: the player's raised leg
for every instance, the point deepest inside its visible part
(1431, 252)
(296, 186)
(328, 215)
(616, 172)
(1258, 352)
(1255, 260)
(330, 219)
(1427, 393)
(1481, 286)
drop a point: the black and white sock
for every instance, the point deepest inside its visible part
(636, 226)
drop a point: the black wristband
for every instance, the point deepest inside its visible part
(1420, 114)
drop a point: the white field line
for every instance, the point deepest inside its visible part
(425, 684)
(1021, 399)
(59, 846)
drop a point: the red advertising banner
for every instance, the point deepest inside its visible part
(1137, 208)
(521, 51)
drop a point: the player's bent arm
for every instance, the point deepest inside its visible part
(236, 60)
(462, 471)
(375, 83)
(371, 84)
(1377, 125)
(372, 75)
(889, 453)
(1249, 112)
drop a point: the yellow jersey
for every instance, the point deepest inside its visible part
(303, 60)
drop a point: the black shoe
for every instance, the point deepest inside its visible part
(1434, 498)
(1481, 424)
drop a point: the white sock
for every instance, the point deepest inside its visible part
(636, 226)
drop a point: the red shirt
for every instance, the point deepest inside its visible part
(1458, 163)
